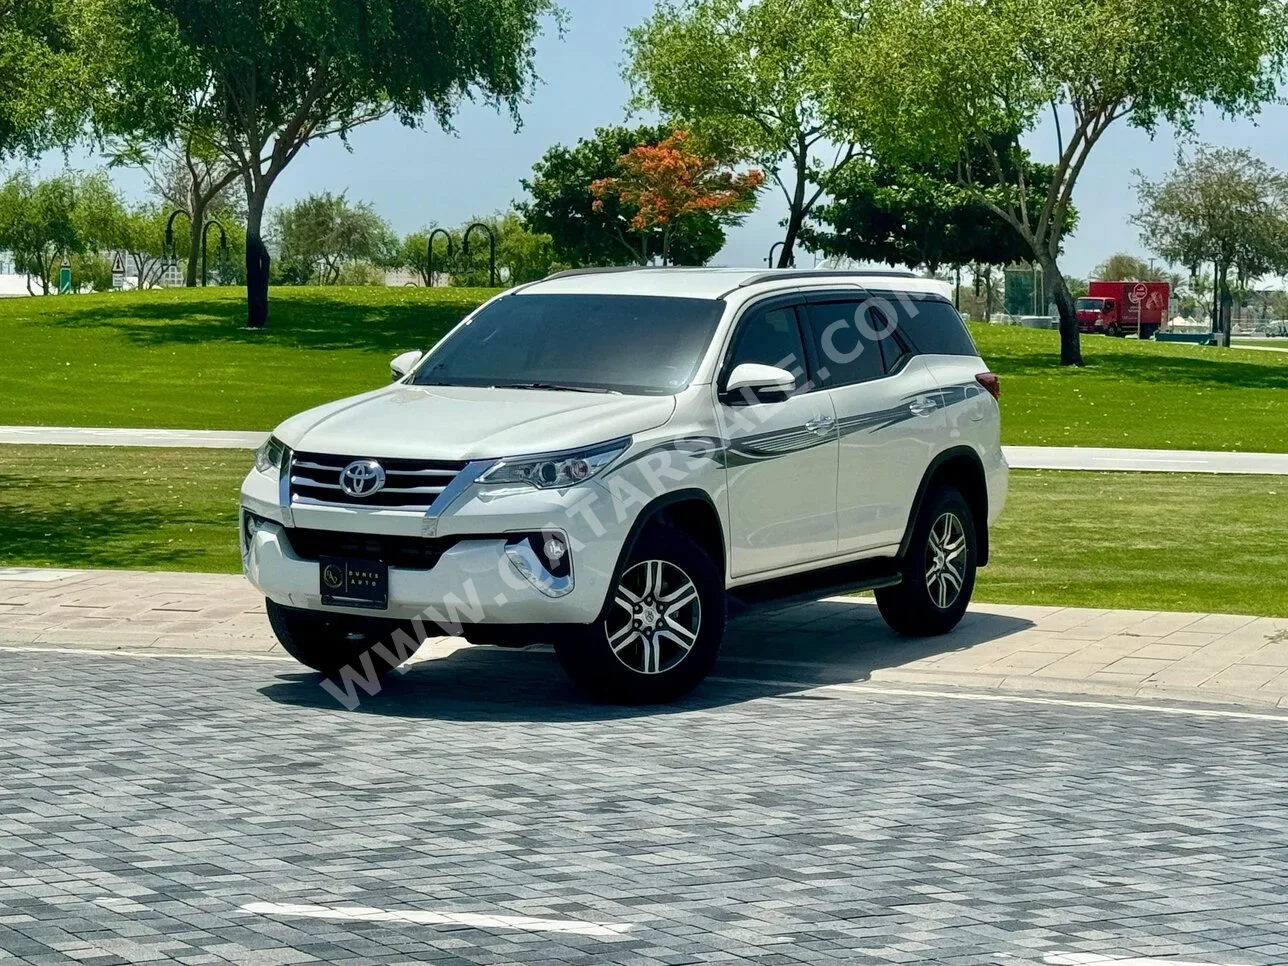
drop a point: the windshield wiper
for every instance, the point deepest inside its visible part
(553, 387)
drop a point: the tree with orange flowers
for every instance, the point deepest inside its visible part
(672, 181)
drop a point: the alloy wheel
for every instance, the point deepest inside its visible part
(655, 618)
(946, 560)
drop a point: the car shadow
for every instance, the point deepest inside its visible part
(776, 653)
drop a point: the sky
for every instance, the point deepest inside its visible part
(414, 177)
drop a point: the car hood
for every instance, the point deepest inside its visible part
(466, 423)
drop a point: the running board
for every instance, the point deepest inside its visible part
(848, 578)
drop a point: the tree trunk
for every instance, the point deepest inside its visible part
(257, 262)
(1225, 307)
(196, 221)
(796, 217)
(1070, 345)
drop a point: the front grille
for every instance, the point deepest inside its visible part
(407, 553)
(409, 484)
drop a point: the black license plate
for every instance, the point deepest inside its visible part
(350, 582)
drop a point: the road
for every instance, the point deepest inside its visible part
(478, 811)
(1020, 457)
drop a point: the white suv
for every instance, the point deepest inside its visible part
(601, 460)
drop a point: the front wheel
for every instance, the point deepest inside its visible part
(661, 629)
(330, 642)
(938, 571)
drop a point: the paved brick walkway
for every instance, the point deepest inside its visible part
(1204, 657)
(478, 812)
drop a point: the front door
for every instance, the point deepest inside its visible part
(781, 456)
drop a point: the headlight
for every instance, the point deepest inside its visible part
(271, 456)
(556, 470)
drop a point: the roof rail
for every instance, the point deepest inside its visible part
(606, 270)
(824, 273)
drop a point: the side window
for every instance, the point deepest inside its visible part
(894, 347)
(931, 325)
(844, 344)
(772, 338)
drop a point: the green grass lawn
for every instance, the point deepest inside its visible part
(1136, 394)
(181, 358)
(135, 509)
(1148, 541)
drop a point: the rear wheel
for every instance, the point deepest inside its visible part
(661, 629)
(330, 642)
(938, 571)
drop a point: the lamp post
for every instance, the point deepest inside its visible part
(773, 253)
(168, 243)
(429, 261)
(223, 246)
(491, 246)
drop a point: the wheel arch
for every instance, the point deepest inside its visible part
(691, 511)
(961, 468)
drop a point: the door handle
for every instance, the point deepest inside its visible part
(923, 407)
(821, 426)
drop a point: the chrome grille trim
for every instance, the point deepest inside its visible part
(411, 485)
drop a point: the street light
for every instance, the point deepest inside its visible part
(429, 262)
(168, 244)
(223, 246)
(491, 247)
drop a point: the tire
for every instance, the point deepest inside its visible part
(935, 589)
(1113, 331)
(635, 653)
(329, 642)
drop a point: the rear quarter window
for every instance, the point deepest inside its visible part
(930, 324)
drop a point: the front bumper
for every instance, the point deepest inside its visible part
(479, 579)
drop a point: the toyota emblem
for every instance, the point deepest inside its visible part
(362, 478)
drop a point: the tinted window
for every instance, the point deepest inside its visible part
(894, 347)
(843, 342)
(930, 324)
(772, 338)
(619, 343)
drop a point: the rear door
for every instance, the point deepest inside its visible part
(936, 331)
(889, 412)
(781, 456)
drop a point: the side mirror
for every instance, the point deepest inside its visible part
(404, 364)
(753, 382)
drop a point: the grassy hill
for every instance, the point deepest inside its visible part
(182, 359)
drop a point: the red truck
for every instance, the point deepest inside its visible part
(1124, 308)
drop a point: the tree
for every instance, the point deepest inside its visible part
(263, 81)
(1224, 207)
(42, 94)
(43, 222)
(521, 256)
(586, 234)
(758, 81)
(141, 234)
(1121, 267)
(321, 234)
(188, 175)
(986, 71)
(916, 215)
(670, 182)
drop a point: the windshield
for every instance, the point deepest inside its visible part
(639, 345)
(1090, 305)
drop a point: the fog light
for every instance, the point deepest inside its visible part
(555, 549)
(254, 524)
